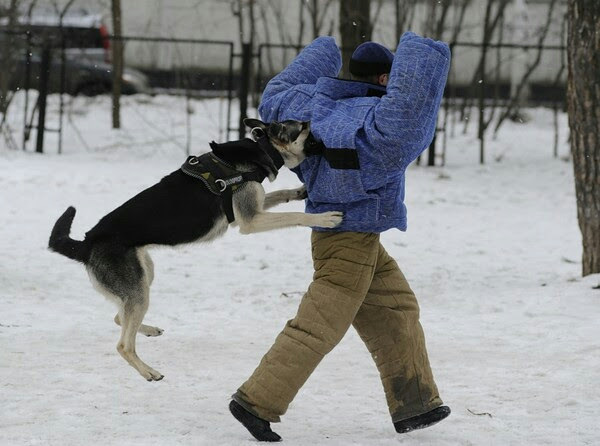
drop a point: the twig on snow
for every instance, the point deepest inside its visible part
(480, 414)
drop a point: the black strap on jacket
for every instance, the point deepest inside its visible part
(342, 158)
(337, 158)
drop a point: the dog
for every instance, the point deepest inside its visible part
(189, 206)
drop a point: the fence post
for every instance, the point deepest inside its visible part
(43, 94)
(482, 85)
(431, 154)
(244, 86)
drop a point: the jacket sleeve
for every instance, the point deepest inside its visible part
(320, 58)
(403, 123)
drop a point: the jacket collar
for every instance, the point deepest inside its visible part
(336, 88)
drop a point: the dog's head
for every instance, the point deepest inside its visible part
(292, 139)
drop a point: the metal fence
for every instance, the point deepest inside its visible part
(44, 67)
(179, 68)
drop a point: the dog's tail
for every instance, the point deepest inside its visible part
(60, 241)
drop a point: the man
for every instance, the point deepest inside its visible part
(372, 133)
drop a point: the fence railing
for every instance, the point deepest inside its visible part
(44, 63)
(178, 67)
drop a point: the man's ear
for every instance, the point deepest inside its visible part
(382, 79)
(252, 123)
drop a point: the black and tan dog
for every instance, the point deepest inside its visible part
(194, 203)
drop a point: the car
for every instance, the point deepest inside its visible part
(87, 54)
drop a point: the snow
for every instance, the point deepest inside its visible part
(492, 252)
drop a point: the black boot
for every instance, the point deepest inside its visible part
(424, 420)
(259, 428)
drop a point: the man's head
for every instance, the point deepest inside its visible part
(371, 62)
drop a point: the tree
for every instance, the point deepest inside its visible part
(355, 27)
(513, 107)
(7, 43)
(405, 14)
(318, 13)
(117, 60)
(583, 102)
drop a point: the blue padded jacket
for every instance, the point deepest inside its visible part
(388, 128)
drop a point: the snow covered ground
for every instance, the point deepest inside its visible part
(493, 253)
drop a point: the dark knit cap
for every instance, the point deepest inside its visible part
(371, 58)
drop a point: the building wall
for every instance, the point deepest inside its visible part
(277, 22)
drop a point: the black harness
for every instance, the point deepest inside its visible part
(223, 179)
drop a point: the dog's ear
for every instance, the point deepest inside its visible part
(252, 123)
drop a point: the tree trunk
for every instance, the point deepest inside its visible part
(117, 60)
(355, 28)
(6, 53)
(583, 100)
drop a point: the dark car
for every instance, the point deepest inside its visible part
(87, 53)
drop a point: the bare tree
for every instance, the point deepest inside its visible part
(583, 100)
(355, 27)
(7, 41)
(317, 10)
(512, 108)
(246, 21)
(557, 82)
(117, 61)
(456, 27)
(405, 14)
(435, 19)
(492, 19)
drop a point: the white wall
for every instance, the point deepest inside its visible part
(214, 19)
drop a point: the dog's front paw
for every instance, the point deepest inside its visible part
(300, 193)
(297, 194)
(329, 219)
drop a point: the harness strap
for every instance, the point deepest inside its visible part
(227, 195)
(219, 178)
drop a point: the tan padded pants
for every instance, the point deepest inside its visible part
(355, 283)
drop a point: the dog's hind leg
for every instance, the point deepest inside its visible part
(131, 317)
(147, 264)
(148, 267)
(121, 274)
(146, 330)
